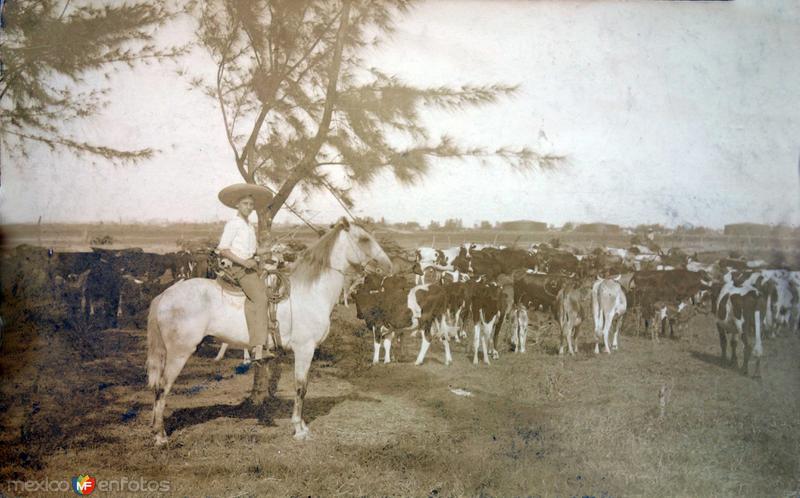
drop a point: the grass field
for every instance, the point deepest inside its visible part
(536, 425)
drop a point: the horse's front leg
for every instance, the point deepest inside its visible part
(302, 363)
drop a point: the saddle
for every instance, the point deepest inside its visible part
(276, 279)
(229, 285)
(277, 282)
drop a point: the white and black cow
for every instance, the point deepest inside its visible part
(740, 307)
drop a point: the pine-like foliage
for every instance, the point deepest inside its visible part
(49, 48)
(299, 102)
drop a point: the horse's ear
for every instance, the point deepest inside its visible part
(344, 223)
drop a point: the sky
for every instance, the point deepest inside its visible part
(667, 112)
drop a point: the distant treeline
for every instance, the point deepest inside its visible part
(88, 230)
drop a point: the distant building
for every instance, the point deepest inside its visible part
(749, 229)
(598, 228)
(524, 226)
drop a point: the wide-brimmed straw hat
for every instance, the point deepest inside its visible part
(232, 194)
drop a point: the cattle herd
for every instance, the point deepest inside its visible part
(446, 294)
(103, 288)
(490, 292)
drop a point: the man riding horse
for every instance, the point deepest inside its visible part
(239, 244)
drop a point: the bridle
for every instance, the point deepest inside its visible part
(361, 267)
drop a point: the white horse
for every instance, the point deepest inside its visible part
(189, 310)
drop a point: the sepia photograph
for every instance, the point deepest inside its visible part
(412, 248)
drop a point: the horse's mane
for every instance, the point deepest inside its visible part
(316, 258)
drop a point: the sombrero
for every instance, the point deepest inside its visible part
(232, 194)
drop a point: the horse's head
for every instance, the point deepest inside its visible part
(361, 249)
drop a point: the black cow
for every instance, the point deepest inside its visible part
(666, 292)
(382, 302)
(560, 262)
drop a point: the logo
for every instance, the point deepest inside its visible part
(83, 484)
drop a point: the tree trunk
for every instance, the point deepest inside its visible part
(265, 218)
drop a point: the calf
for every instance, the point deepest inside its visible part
(573, 304)
(519, 332)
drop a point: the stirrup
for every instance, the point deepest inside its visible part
(266, 354)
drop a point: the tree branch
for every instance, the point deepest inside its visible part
(337, 197)
(228, 127)
(308, 163)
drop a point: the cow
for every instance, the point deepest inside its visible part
(732, 264)
(559, 262)
(534, 290)
(486, 311)
(608, 303)
(437, 312)
(674, 257)
(120, 282)
(403, 265)
(382, 302)
(429, 257)
(485, 263)
(794, 281)
(782, 302)
(739, 311)
(573, 303)
(651, 291)
(74, 263)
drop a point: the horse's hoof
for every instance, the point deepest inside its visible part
(161, 440)
(417, 363)
(302, 435)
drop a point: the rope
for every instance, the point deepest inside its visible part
(282, 287)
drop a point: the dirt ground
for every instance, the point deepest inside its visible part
(536, 424)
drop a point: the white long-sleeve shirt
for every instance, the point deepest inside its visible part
(239, 236)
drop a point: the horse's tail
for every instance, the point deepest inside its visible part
(156, 351)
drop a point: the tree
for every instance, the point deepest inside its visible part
(486, 225)
(301, 109)
(48, 49)
(408, 225)
(434, 225)
(453, 224)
